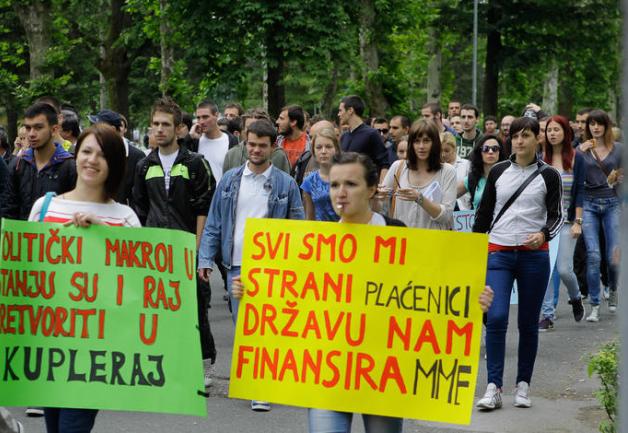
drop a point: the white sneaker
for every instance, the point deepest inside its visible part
(595, 314)
(8, 423)
(612, 301)
(260, 406)
(492, 398)
(521, 395)
(210, 371)
(34, 411)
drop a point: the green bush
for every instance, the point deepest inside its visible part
(605, 365)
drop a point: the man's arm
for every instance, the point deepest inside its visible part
(140, 196)
(295, 205)
(11, 204)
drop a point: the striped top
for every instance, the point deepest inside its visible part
(567, 179)
(61, 210)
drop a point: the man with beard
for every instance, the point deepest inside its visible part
(256, 189)
(173, 189)
(292, 138)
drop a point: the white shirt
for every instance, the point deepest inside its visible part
(167, 161)
(214, 151)
(252, 203)
(462, 167)
(376, 220)
(61, 210)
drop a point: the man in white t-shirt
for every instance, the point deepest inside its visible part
(213, 144)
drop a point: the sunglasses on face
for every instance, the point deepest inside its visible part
(486, 149)
(383, 131)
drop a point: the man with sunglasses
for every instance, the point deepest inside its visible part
(381, 125)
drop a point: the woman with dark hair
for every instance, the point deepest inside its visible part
(424, 188)
(600, 205)
(100, 165)
(353, 183)
(521, 209)
(488, 152)
(560, 154)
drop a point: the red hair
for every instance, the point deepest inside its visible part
(567, 150)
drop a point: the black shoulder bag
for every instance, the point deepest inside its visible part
(516, 194)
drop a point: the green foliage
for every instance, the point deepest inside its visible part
(605, 365)
(221, 47)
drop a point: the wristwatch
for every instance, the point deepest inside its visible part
(419, 199)
(578, 221)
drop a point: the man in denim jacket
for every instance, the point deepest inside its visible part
(257, 189)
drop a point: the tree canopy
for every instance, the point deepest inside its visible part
(397, 54)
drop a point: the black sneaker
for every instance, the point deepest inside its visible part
(546, 324)
(578, 309)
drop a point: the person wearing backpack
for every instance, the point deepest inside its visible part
(521, 209)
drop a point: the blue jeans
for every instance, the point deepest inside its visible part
(69, 420)
(329, 421)
(531, 270)
(235, 303)
(563, 270)
(596, 212)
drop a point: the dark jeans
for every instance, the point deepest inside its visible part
(203, 295)
(69, 420)
(531, 270)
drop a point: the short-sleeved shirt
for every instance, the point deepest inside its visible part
(294, 148)
(61, 210)
(318, 189)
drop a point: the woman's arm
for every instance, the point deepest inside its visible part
(308, 205)
(461, 189)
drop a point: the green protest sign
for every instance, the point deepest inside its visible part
(99, 317)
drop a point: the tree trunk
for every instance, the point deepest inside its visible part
(565, 93)
(275, 65)
(493, 48)
(329, 98)
(114, 64)
(167, 51)
(35, 17)
(550, 89)
(12, 117)
(434, 66)
(375, 98)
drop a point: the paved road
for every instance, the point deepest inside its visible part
(561, 392)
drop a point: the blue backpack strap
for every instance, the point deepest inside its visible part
(44, 207)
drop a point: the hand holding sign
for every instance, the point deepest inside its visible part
(337, 317)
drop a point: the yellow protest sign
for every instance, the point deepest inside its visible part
(358, 318)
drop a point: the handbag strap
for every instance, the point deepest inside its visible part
(599, 162)
(45, 205)
(516, 194)
(396, 185)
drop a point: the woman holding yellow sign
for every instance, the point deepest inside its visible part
(353, 182)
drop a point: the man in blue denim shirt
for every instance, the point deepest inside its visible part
(257, 189)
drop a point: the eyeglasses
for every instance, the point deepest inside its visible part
(383, 131)
(486, 149)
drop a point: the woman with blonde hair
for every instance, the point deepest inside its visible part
(462, 166)
(315, 186)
